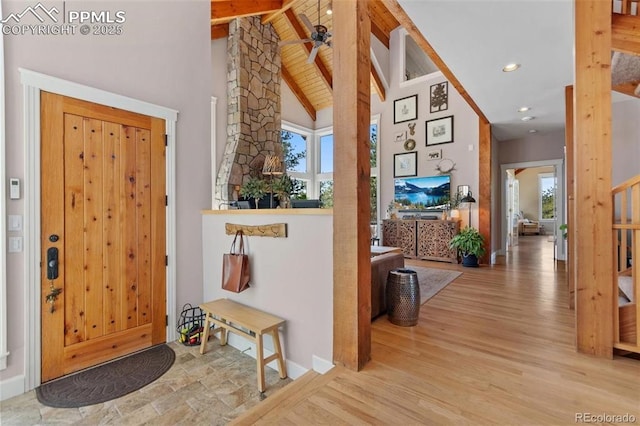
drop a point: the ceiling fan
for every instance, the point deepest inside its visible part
(319, 36)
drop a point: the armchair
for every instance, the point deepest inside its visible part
(527, 227)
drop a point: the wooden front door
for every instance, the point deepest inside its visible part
(103, 234)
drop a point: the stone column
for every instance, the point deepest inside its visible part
(253, 96)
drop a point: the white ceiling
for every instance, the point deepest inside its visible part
(476, 38)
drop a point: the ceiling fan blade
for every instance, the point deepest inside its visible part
(307, 22)
(314, 53)
(288, 42)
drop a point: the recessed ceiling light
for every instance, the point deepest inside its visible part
(533, 131)
(523, 109)
(527, 118)
(510, 67)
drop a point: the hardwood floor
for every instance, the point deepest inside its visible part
(494, 347)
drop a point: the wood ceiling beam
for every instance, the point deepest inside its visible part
(377, 83)
(325, 74)
(225, 10)
(380, 34)
(625, 33)
(286, 5)
(382, 21)
(297, 91)
(628, 88)
(402, 17)
(219, 31)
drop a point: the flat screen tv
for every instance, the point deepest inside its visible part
(423, 193)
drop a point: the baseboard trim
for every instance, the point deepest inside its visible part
(321, 365)
(294, 370)
(12, 387)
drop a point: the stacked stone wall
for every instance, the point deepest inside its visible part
(253, 98)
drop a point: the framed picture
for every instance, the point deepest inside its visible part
(440, 130)
(405, 164)
(400, 136)
(405, 109)
(434, 154)
(439, 97)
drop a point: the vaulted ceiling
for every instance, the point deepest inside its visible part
(469, 44)
(312, 83)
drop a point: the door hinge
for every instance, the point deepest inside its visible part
(166, 320)
(166, 261)
(166, 140)
(166, 200)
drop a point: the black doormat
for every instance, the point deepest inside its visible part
(107, 381)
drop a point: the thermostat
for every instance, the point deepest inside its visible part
(14, 188)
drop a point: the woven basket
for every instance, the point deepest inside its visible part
(191, 325)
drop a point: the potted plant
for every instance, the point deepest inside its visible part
(563, 228)
(470, 244)
(283, 188)
(254, 188)
(454, 203)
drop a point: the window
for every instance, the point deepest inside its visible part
(296, 144)
(373, 156)
(325, 177)
(309, 161)
(547, 191)
(326, 153)
(326, 193)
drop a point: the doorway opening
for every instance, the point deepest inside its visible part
(533, 206)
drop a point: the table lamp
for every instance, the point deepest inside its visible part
(272, 166)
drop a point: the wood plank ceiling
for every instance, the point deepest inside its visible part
(312, 83)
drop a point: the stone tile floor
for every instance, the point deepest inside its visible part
(211, 389)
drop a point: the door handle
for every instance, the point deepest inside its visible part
(52, 263)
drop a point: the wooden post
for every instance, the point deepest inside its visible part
(592, 143)
(484, 190)
(571, 205)
(352, 170)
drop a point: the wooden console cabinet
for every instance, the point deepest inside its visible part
(421, 239)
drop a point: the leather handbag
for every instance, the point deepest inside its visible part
(235, 267)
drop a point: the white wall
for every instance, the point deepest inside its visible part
(290, 277)
(534, 147)
(219, 90)
(463, 151)
(625, 140)
(162, 57)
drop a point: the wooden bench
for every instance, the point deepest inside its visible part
(230, 316)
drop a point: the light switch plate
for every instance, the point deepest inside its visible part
(15, 222)
(14, 188)
(15, 244)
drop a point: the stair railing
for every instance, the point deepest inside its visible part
(626, 238)
(625, 7)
